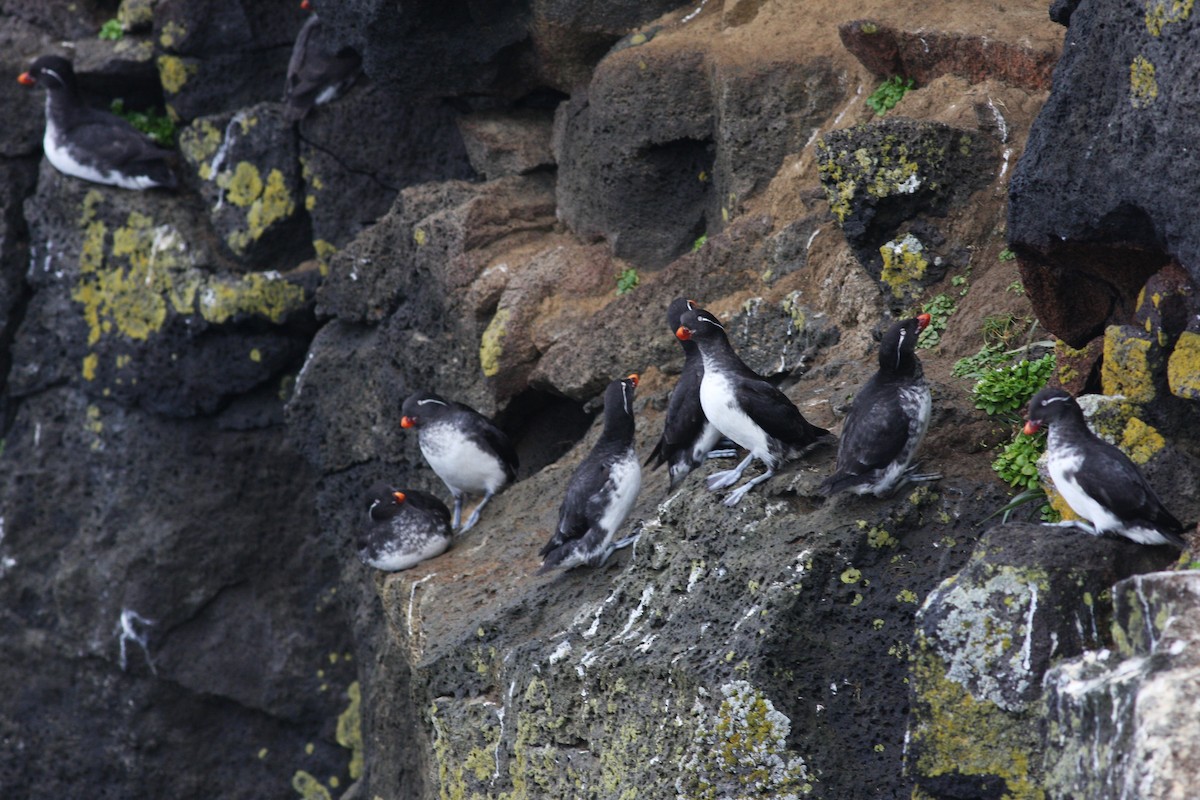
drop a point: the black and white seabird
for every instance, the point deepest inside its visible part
(745, 407)
(317, 73)
(887, 420)
(688, 437)
(403, 528)
(90, 143)
(465, 448)
(1097, 480)
(602, 490)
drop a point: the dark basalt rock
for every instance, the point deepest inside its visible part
(1103, 196)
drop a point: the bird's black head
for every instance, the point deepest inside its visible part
(385, 501)
(421, 407)
(679, 306)
(1048, 407)
(52, 72)
(618, 405)
(699, 325)
(898, 346)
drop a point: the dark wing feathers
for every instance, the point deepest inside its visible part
(875, 432)
(775, 413)
(1115, 481)
(491, 437)
(685, 418)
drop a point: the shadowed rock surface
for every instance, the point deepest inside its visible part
(196, 390)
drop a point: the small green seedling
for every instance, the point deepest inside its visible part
(939, 309)
(888, 94)
(159, 127)
(112, 30)
(700, 242)
(627, 281)
(1007, 255)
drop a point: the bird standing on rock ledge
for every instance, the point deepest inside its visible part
(91, 144)
(688, 437)
(602, 490)
(1097, 480)
(745, 407)
(887, 421)
(466, 450)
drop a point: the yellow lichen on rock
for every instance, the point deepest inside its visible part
(1141, 441)
(491, 344)
(1143, 87)
(1128, 367)
(1161, 13)
(1183, 367)
(174, 72)
(904, 264)
(349, 730)
(265, 294)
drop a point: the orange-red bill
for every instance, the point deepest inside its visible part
(25, 79)
(633, 378)
(399, 496)
(407, 422)
(1031, 428)
(683, 334)
(923, 321)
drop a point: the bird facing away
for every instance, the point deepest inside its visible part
(602, 490)
(92, 144)
(745, 407)
(887, 420)
(688, 438)
(466, 450)
(403, 528)
(316, 74)
(1097, 480)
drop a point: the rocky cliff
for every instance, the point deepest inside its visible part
(197, 388)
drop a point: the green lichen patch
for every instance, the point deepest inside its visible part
(1143, 87)
(959, 736)
(904, 264)
(1161, 13)
(740, 750)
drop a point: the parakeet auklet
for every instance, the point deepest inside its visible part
(602, 490)
(688, 437)
(887, 420)
(90, 143)
(403, 528)
(466, 450)
(1097, 480)
(745, 407)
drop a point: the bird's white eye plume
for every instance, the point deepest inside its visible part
(428, 400)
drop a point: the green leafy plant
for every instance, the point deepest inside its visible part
(112, 30)
(1016, 465)
(700, 242)
(888, 94)
(1007, 255)
(939, 309)
(627, 281)
(988, 357)
(159, 127)
(1016, 287)
(1005, 390)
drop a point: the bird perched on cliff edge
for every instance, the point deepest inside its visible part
(1097, 480)
(688, 437)
(745, 407)
(92, 144)
(887, 420)
(403, 528)
(316, 73)
(602, 490)
(466, 449)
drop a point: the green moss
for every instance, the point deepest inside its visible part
(491, 344)
(1143, 88)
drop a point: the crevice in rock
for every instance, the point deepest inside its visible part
(544, 427)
